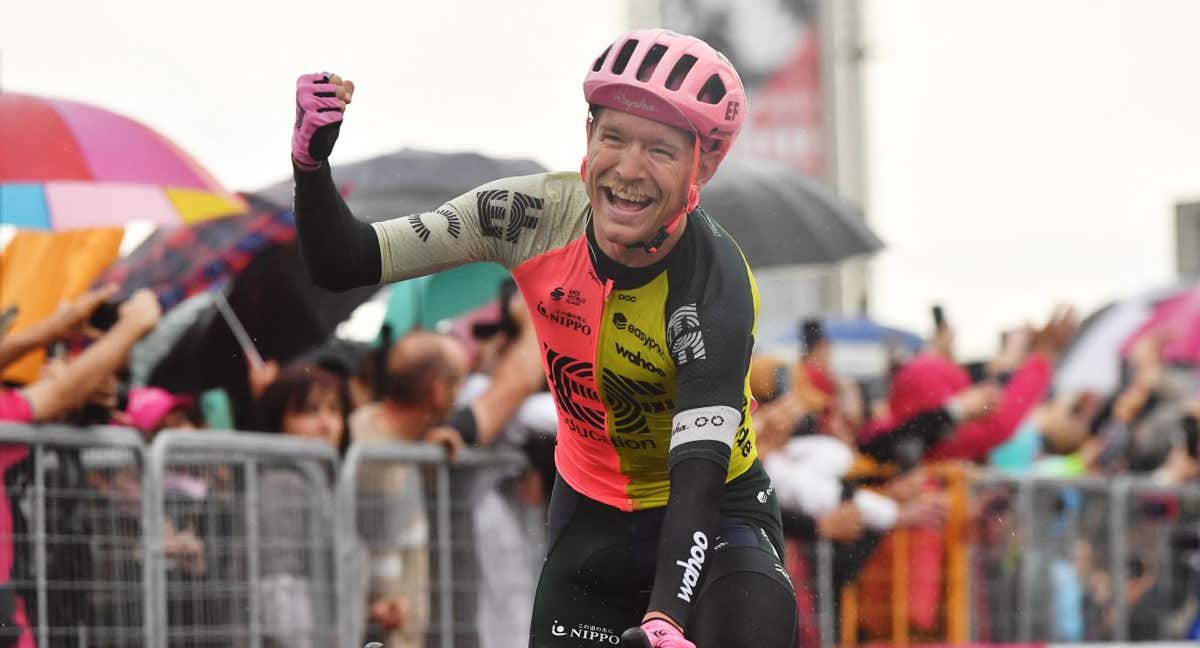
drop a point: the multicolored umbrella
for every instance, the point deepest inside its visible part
(185, 261)
(67, 165)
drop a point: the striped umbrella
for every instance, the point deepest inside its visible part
(66, 165)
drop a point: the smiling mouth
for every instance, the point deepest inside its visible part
(624, 205)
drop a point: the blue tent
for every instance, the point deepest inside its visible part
(859, 331)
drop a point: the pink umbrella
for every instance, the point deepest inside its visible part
(1179, 317)
(66, 165)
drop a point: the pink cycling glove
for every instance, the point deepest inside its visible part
(318, 119)
(655, 633)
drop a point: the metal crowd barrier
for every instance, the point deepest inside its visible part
(1026, 560)
(243, 545)
(1083, 559)
(73, 495)
(452, 542)
(239, 539)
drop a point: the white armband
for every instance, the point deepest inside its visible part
(714, 423)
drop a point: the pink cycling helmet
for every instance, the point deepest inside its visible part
(674, 79)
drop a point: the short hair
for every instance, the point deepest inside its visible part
(415, 363)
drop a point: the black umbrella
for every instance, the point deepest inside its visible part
(781, 217)
(282, 310)
(411, 181)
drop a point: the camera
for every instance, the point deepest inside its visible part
(105, 316)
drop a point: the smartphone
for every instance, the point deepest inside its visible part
(105, 316)
(939, 317)
(1191, 435)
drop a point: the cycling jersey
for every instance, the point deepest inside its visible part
(641, 361)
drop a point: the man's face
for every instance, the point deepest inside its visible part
(637, 177)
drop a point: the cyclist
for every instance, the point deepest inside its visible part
(663, 523)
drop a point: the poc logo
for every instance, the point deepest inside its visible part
(626, 298)
(691, 567)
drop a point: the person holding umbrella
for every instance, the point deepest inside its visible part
(645, 309)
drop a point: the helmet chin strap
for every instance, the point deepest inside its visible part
(693, 199)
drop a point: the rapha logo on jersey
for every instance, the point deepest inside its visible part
(513, 208)
(453, 223)
(565, 319)
(629, 401)
(637, 360)
(587, 632)
(684, 336)
(573, 385)
(622, 323)
(691, 567)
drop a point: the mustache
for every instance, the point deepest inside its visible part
(632, 188)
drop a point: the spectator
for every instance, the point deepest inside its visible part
(424, 373)
(49, 398)
(927, 383)
(816, 382)
(309, 402)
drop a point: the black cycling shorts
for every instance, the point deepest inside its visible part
(599, 570)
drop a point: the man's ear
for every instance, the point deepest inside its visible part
(708, 167)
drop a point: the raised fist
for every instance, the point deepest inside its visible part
(321, 101)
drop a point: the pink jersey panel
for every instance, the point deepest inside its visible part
(566, 303)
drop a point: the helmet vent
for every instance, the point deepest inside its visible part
(680, 71)
(600, 61)
(623, 56)
(646, 69)
(713, 90)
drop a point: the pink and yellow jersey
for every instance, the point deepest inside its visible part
(640, 360)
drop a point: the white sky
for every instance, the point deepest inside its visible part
(1020, 152)
(218, 77)
(1024, 152)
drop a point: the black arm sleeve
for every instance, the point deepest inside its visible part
(688, 533)
(906, 443)
(340, 251)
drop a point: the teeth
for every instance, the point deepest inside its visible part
(629, 196)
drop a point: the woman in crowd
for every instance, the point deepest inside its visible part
(308, 402)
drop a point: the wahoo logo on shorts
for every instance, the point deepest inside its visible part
(691, 568)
